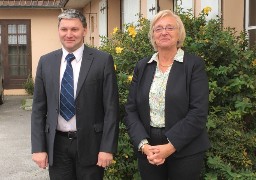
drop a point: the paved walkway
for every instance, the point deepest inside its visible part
(15, 147)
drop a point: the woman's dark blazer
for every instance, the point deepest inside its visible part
(186, 105)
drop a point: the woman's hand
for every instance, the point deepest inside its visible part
(149, 152)
(159, 153)
(146, 150)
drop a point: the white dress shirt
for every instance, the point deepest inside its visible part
(70, 125)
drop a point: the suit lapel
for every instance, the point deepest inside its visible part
(145, 84)
(56, 73)
(175, 74)
(171, 78)
(145, 81)
(176, 77)
(85, 67)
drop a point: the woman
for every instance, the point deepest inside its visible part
(167, 106)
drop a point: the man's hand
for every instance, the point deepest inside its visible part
(41, 159)
(104, 159)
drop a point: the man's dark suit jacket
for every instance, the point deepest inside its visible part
(186, 105)
(96, 105)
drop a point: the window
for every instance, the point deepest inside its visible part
(17, 44)
(130, 11)
(103, 18)
(151, 8)
(185, 4)
(250, 21)
(197, 8)
(215, 6)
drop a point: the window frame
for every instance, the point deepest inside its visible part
(247, 26)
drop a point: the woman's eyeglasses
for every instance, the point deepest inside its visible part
(160, 29)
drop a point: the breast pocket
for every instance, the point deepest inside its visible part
(92, 82)
(93, 88)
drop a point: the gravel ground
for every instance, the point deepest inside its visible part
(15, 145)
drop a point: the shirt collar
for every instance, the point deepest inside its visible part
(77, 53)
(178, 57)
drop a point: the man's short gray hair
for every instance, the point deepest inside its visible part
(72, 13)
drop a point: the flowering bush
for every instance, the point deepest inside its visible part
(231, 69)
(127, 47)
(231, 72)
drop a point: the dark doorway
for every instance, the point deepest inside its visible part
(15, 52)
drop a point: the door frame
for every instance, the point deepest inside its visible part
(14, 82)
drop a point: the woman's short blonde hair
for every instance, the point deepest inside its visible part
(180, 25)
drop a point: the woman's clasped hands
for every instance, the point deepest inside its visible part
(156, 155)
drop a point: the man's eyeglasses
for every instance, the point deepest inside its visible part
(160, 29)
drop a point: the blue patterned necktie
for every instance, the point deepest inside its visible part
(67, 101)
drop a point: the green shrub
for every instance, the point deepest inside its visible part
(29, 85)
(123, 46)
(231, 72)
(231, 69)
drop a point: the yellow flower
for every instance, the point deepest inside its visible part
(244, 152)
(129, 78)
(119, 50)
(132, 31)
(113, 161)
(207, 9)
(254, 62)
(115, 30)
(141, 20)
(115, 67)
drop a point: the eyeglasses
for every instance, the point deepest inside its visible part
(160, 29)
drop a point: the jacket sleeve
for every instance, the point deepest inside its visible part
(111, 108)
(132, 120)
(39, 111)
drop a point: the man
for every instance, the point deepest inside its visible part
(74, 122)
